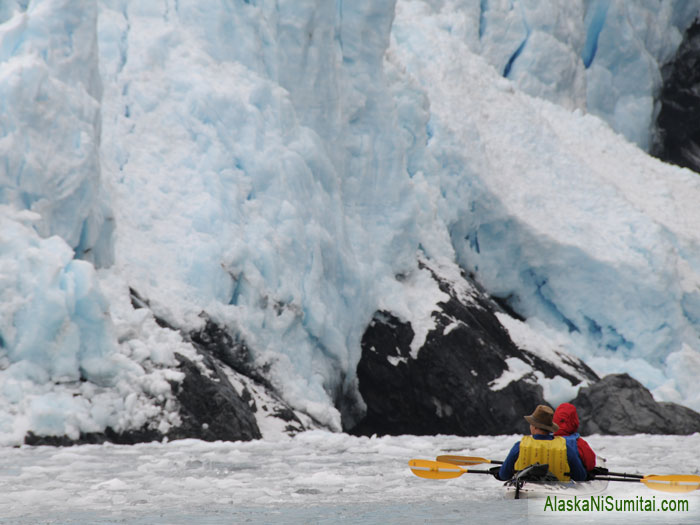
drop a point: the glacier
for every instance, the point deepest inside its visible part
(278, 167)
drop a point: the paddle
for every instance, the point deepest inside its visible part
(466, 460)
(425, 468)
(665, 483)
(676, 483)
(473, 460)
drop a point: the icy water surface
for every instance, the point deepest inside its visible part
(316, 477)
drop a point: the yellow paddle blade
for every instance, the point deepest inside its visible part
(462, 460)
(424, 468)
(672, 483)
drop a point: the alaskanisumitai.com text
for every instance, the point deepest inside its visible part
(613, 504)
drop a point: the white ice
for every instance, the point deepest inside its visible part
(280, 166)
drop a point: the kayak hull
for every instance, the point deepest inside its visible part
(535, 489)
(543, 489)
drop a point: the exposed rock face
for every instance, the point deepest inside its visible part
(96, 438)
(678, 123)
(210, 408)
(451, 385)
(620, 405)
(229, 370)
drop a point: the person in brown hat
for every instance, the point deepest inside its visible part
(543, 447)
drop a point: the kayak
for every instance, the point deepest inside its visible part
(532, 483)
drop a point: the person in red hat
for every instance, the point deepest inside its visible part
(567, 418)
(542, 447)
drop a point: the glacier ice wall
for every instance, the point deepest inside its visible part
(602, 56)
(315, 162)
(275, 166)
(50, 135)
(259, 174)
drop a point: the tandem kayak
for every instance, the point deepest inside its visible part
(533, 482)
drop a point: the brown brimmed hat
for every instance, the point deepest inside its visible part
(542, 418)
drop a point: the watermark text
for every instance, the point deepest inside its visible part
(613, 504)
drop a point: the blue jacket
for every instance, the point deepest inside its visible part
(578, 472)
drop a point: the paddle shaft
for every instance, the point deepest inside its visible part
(466, 460)
(472, 460)
(607, 478)
(622, 475)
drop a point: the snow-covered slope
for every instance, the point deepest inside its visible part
(276, 166)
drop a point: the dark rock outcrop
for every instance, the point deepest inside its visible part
(210, 408)
(221, 351)
(450, 386)
(678, 123)
(129, 437)
(621, 405)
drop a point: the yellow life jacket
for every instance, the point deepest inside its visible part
(552, 452)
